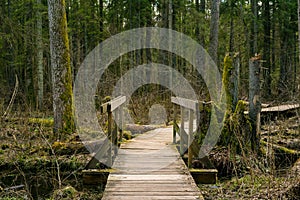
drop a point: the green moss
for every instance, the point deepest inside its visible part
(106, 99)
(228, 86)
(65, 193)
(282, 149)
(127, 135)
(193, 170)
(240, 107)
(67, 95)
(41, 121)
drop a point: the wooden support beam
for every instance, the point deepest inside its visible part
(190, 139)
(174, 125)
(121, 128)
(109, 127)
(182, 131)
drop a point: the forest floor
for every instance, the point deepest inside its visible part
(34, 166)
(273, 175)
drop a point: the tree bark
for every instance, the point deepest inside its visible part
(267, 48)
(199, 30)
(61, 68)
(40, 67)
(214, 30)
(298, 43)
(299, 29)
(254, 101)
(231, 80)
(231, 37)
(253, 36)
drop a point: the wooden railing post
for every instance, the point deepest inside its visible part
(109, 132)
(120, 124)
(182, 131)
(193, 107)
(174, 124)
(110, 143)
(197, 113)
(115, 133)
(190, 138)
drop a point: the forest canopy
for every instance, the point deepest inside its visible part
(268, 28)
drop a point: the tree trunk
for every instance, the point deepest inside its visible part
(40, 67)
(61, 68)
(231, 80)
(231, 37)
(297, 87)
(253, 36)
(199, 30)
(254, 101)
(101, 15)
(267, 48)
(299, 29)
(214, 30)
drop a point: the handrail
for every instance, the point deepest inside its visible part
(193, 107)
(187, 103)
(110, 144)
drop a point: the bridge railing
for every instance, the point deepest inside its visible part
(186, 139)
(111, 143)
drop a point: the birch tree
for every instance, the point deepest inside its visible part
(61, 68)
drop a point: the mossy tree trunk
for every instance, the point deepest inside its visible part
(61, 68)
(235, 133)
(231, 80)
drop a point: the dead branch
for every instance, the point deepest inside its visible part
(13, 97)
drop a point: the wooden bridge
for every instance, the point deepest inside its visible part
(149, 166)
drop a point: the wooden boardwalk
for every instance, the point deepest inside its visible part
(150, 167)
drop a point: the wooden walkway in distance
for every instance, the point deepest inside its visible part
(280, 108)
(150, 167)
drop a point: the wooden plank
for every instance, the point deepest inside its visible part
(148, 177)
(115, 103)
(112, 105)
(152, 188)
(187, 103)
(152, 198)
(151, 193)
(150, 167)
(280, 108)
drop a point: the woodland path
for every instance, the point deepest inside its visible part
(150, 167)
